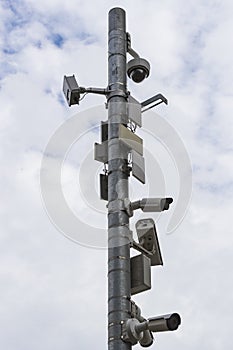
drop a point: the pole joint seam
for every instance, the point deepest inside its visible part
(128, 312)
(118, 257)
(121, 270)
(117, 82)
(120, 297)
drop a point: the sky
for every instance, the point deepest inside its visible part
(53, 288)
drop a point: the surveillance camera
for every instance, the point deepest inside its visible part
(152, 204)
(138, 69)
(155, 204)
(163, 323)
(71, 90)
(134, 330)
(147, 237)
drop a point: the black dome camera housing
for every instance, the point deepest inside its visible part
(138, 69)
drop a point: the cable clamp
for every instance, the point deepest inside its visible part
(120, 204)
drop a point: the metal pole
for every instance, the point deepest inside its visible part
(119, 306)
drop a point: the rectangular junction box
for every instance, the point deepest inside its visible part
(138, 166)
(134, 111)
(104, 131)
(104, 187)
(101, 152)
(140, 274)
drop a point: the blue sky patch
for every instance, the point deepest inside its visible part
(57, 40)
(9, 51)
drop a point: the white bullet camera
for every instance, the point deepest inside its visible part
(152, 204)
(138, 69)
(163, 323)
(134, 330)
(155, 204)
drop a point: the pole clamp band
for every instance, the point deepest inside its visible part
(120, 204)
(118, 93)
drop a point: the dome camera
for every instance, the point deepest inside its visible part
(138, 69)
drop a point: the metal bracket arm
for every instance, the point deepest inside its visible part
(140, 248)
(94, 90)
(131, 51)
(158, 99)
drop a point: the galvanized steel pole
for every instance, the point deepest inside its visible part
(119, 306)
(123, 153)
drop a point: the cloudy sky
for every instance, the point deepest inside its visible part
(53, 290)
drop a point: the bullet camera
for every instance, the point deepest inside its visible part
(163, 323)
(138, 69)
(155, 204)
(152, 204)
(148, 239)
(134, 330)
